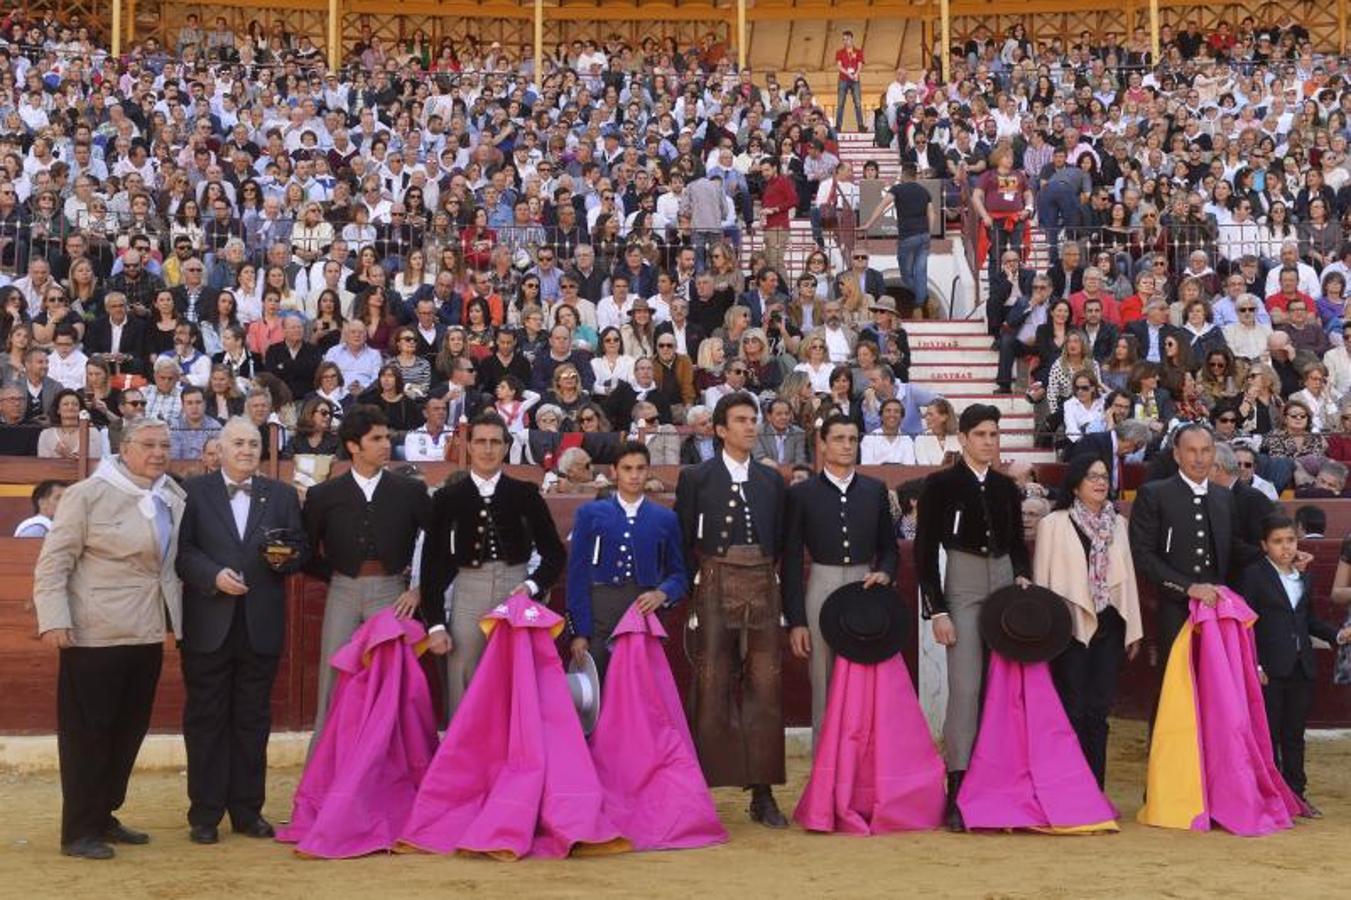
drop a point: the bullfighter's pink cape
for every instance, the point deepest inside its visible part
(654, 789)
(1210, 759)
(1027, 769)
(876, 769)
(358, 787)
(514, 777)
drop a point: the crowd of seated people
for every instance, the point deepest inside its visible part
(230, 225)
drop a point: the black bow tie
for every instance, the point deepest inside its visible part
(232, 489)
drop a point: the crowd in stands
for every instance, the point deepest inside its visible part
(229, 225)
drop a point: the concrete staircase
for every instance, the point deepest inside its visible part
(954, 359)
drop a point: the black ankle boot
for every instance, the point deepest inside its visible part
(952, 818)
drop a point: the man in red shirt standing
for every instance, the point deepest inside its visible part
(1003, 201)
(849, 62)
(776, 206)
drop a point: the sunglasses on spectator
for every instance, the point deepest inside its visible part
(736, 371)
(1228, 420)
(1247, 309)
(133, 403)
(665, 345)
(1078, 388)
(1296, 415)
(1244, 465)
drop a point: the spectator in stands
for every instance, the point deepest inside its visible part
(1329, 483)
(116, 632)
(46, 497)
(888, 445)
(1311, 522)
(190, 431)
(39, 390)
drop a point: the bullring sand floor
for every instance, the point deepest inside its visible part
(1139, 862)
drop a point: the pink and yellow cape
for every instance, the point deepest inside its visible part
(1210, 760)
(380, 735)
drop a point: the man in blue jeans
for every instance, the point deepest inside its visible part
(916, 219)
(849, 63)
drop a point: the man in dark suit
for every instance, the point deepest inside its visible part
(117, 336)
(869, 280)
(506, 361)
(481, 533)
(731, 513)
(1251, 506)
(194, 297)
(1282, 597)
(1150, 332)
(1011, 283)
(234, 619)
(1112, 447)
(464, 401)
(361, 528)
(765, 294)
(39, 390)
(1183, 534)
(293, 359)
(1101, 335)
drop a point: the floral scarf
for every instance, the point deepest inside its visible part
(1099, 528)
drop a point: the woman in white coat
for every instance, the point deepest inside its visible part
(1083, 554)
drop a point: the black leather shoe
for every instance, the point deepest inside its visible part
(88, 848)
(764, 809)
(952, 818)
(121, 834)
(258, 828)
(204, 834)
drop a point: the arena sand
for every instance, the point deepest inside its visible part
(1138, 862)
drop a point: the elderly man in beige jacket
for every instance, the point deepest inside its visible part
(106, 594)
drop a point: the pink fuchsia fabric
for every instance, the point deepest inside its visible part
(655, 792)
(876, 769)
(1224, 728)
(1027, 769)
(514, 777)
(379, 738)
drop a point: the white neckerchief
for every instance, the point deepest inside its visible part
(980, 475)
(630, 509)
(486, 486)
(110, 471)
(367, 485)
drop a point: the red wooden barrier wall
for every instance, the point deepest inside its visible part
(28, 668)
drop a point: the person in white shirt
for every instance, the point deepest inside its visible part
(1338, 362)
(1083, 409)
(888, 445)
(429, 442)
(1308, 275)
(612, 311)
(46, 497)
(67, 364)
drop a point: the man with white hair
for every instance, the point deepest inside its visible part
(234, 622)
(1308, 275)
(106, 593)
(358, 362)
(164, 401)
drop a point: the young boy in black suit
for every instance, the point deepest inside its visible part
(1282, 597)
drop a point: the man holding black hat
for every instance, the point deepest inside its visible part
(975, 513)
(857, 544)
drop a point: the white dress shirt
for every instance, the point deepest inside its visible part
(367, 485)
(239, 503)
